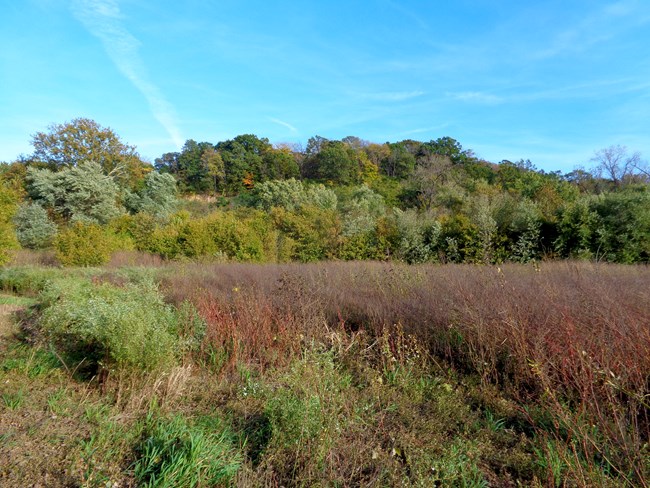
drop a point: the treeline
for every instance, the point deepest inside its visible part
(87, 194)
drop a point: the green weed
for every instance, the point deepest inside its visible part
(13, 401)
(175, 452)
(57, 402)
(493, 423)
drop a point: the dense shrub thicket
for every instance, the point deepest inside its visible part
(8, 200)
(350, 199)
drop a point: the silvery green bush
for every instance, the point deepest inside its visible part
(34, 228)
(119, 328)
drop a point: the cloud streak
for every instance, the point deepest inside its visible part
(103, 19)
(392, 96)
(476, 97)
(283, 124)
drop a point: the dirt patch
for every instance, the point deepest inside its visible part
(8, 326)
(38, 446)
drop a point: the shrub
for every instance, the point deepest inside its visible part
(83, 245)
(315, 232)
(26, 280)
(361, 210)
(225, 233)
(34, 228)
(292, 194)
(157, 197)
(81, 193)
(8, 199)
(127, 328)
(418, 236)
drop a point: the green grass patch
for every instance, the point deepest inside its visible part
(178, 452)
(16, 301)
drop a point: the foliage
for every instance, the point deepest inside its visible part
(623, 233)
(400, 162)
(314, 232)
(291, 195)
(8, 206)
(79, 193)
(34, 228)
(452, 205)
(336, 162)
(116, 328)
(360, 210)
(81, 141)
(157, 196)
(83, 244)
(418, 237)
(611, 226)
(246, 236)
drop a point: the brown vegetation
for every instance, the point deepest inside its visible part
(573, 338)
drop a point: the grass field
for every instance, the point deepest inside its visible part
(333, 374)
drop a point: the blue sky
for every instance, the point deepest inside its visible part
(550, 81)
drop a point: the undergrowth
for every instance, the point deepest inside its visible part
(328, 375)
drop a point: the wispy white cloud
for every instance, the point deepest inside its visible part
(422, 130)
(283, 124)
(476, 97)
(411, 15)
(620, 8)
(103, 19)
(593, 29)
(392, 96)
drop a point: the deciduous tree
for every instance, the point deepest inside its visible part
(616, 164)
(80, 193)
(83, 140)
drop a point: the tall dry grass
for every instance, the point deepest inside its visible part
(571, 337)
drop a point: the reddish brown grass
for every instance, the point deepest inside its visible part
(574, 337)
(135, 258)
(26, 257)
(248, 330)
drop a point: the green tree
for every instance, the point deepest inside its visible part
(292, 194)
(314, 233)
(360, 211)
(400, 163)
(83, 140)
(418, 236)
(13, 176)
(449, 147)
(280, 164)
(623, 231)
(193, 170)
(212, 161)
(337, 162)
(80, 193)
(244, 163)
(575, 228)
(34, 228)
(156, 197)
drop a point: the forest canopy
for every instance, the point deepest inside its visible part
(247, 199)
